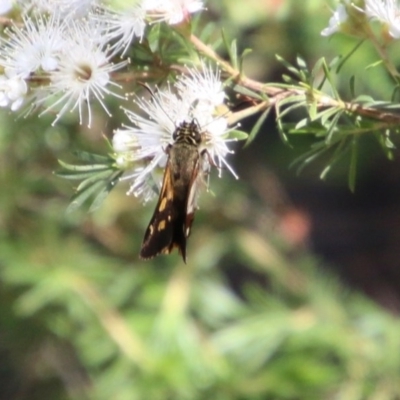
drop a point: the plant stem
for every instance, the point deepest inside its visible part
(278, 93)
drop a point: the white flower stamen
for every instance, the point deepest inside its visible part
(83, 73)
(194, 96)
(121, 27)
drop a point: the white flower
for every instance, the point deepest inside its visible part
(194, 96)
(122, 26)
(172, 11)
(27, 52)
(5, 6)
(12, 92)
(32, 48)
(386, 12)
(338, 18)
(83, 73)
(203, 87)
(65, 63)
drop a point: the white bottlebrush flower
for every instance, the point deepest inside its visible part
(26, 52)
(172, 11)
(121, 27)
(33, 48)
(339, 17)
(13, 91)
(202, 90)
(203, 87)
(83, 73)
(5, 6)
(144, 145)
(387, 12)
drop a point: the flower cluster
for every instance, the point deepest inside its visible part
(387, 12)
(64, 60)
(141, 148)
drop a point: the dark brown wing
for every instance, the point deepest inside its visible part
(170, 224)
(159, 234)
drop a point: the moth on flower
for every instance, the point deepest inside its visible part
(184, 136)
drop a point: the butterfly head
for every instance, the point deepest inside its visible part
(188, 132)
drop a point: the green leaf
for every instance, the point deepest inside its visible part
(315, 72)
(298, 127)
(388, 141)
(301, 63)
(325, 115)
(353, 164)
(233, 54)
(83, 168)
(288, 66)
(374, 64)
(312, 110)
(91, 157)
(77, 175)
(207, 31)
(363, 99)
(287, 78)
(302, 161)
(242, 57)
(332, 128)
(394, 96)
(257, 126)
(231, 49)
(298, 102)
(340, 152)
(79, 198)
(238, 134)
(328, 76)
(99, 176)
(296, 98)
(348, 55)
(247, 92)
(302, 76)
(305, 126)
(102, 195)
(279, 125)
(153, 38)
(99, 199)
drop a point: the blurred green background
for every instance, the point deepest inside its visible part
(291, 290)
